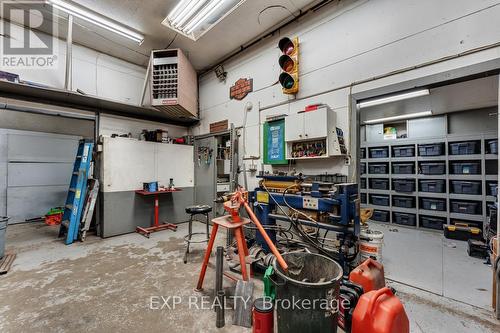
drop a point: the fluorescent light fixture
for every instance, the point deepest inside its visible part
(97, 19)
(400, 117)
(394, 98)
(193, 18)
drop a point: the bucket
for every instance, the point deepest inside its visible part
(370, 245)
(307, 295)
(3, 228)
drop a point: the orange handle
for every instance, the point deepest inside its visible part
(268, 240)
(373, 263)
(376, 296)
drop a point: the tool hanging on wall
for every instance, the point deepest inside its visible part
(205, 154)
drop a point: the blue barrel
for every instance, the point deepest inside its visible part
(3, 228)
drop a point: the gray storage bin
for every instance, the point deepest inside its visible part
(433, 168)
(429, 222)
(433, 204)
(403, 151)
(380, 200)
(433, 186)
(403, 202)
(378, 169)
(466, 168)
(380, 215)
(379, 184)
(493, 147)
(466, 207)
(405, 219)
(404, 185)
(403, 168)
(434, 149)
(382, 152)
(464, 148)
(465, 187)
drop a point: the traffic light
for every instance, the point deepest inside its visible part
(289, 63)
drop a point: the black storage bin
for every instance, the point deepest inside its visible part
(403, 151)
(405, 219)
(493, 147)
(434, 204)
(379, 184)
(363, 198)
(379, 152)
(434, 149)
(403, 202)
(433, 168)
(430, 222)
(466, 168)
(403, 168)
(380, 200)
(464, 148)
(363, 152)
(466, 207)
(493, 188)
(380, 215)
(362, 184)
(464, 187)
(404, 185)
(363, 168)
(377, 169)
(433, 186)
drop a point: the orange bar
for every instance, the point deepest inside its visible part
(268, 240)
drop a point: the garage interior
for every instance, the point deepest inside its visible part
(249, 166)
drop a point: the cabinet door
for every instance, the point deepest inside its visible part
(294, 127)
(316, 124)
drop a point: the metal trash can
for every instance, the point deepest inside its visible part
(3, 229)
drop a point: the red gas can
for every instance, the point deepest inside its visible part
(369, 275)
(263, 316)
(380, 311)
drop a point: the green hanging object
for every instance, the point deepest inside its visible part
(269, 288)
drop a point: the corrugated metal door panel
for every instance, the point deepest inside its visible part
(41, 147)
(39, 174)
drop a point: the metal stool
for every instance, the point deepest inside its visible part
(193, 211)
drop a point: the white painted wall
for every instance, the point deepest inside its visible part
(109, 125)
(94, 73)
(346, 43)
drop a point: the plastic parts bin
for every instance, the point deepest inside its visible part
(404, 185)
(403, 168)
(380, 200)
(377, 169)
(464, 148)
(464, 187)
(403, 202)
(466, 168)
(363, 152)
(380, 215)
(405, 219)
(465, 207)
(403, 151)
(434, 204)
(493, 146)
(433, 186)
(433, 168)
(363, 183)
(493, 189)
(363, 168)
(430, 222)
(379, 152)
(380, 184)
(363, 198)
(434, 149)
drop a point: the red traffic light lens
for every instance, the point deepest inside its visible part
(286, 81)
(286, 46)
(286, 63)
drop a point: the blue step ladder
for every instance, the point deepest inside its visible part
(70, 225)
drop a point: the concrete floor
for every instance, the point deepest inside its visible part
(107, 285)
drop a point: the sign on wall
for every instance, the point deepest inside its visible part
(274, 142)
(219, 126)
(241, 89)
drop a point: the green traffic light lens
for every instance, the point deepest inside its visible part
(286, 81)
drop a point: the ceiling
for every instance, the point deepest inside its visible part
(245, 23)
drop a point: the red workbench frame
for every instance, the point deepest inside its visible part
(156, 226)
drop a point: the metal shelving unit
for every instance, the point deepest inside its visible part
(484, 158)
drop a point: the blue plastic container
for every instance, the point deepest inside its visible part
(150, 187)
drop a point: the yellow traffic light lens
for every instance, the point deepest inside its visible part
(286, 81)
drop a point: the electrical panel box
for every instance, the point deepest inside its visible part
(313, 134)
(174, 84)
